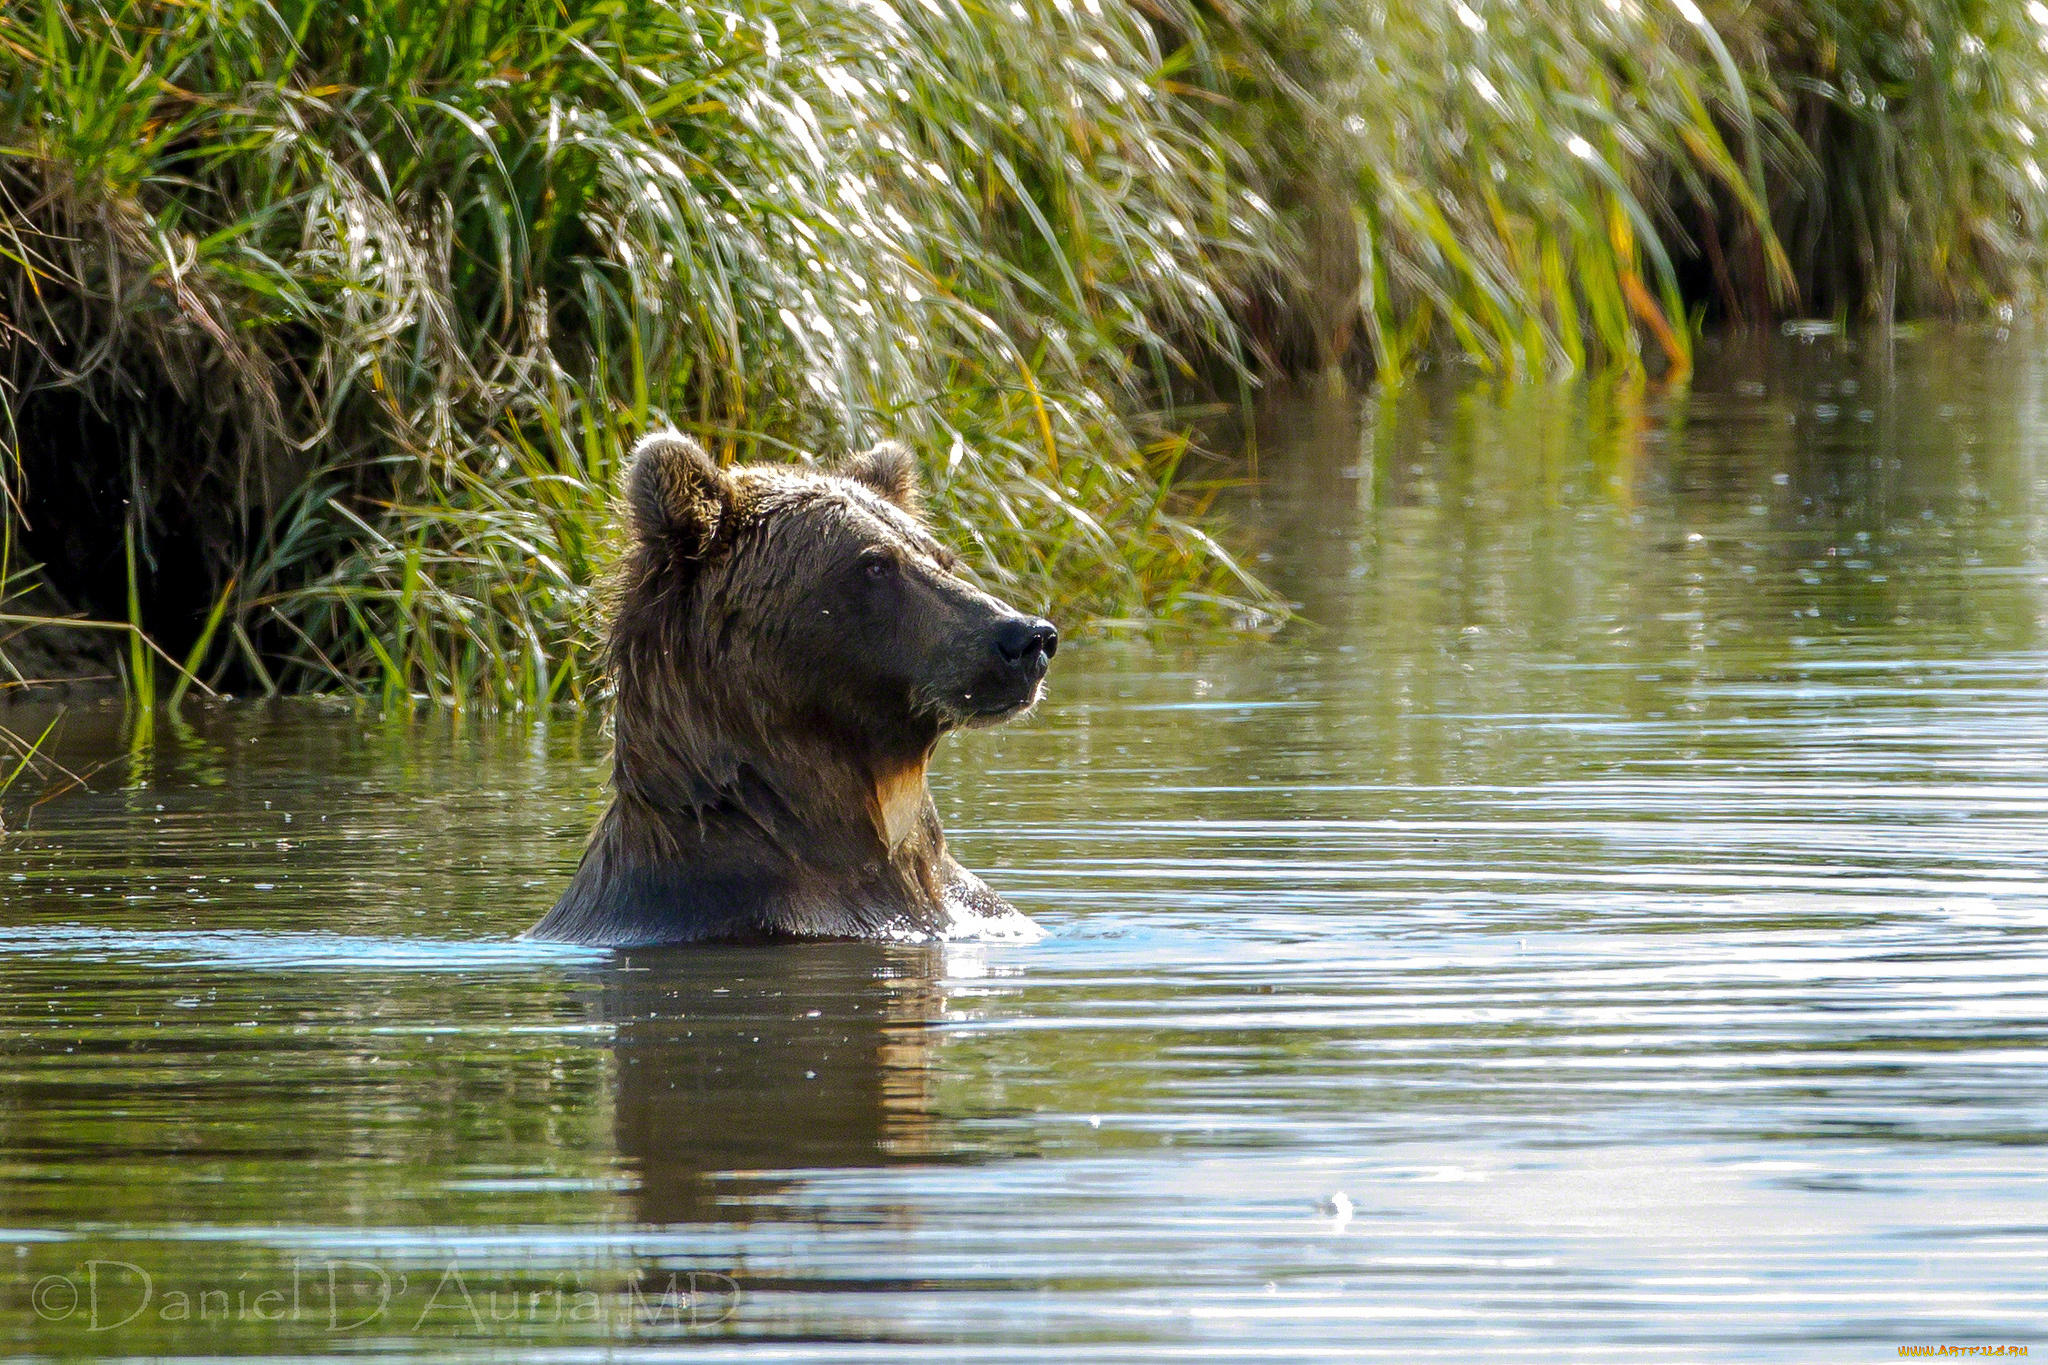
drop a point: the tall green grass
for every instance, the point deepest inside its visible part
(1543, 186)
(350, 310)
(1493, 179)
(1923, 188)
(410, 277)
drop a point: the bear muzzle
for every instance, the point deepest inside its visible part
(1020, 648)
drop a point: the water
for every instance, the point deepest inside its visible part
(1613, 931)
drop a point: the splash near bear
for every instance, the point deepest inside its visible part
(786, 647)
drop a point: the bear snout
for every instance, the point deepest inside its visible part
(1027, 644)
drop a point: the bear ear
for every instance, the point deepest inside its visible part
(890, 469)
(674, 493)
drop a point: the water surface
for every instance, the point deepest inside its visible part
(1612, 930)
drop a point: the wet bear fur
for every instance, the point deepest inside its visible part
(785, 648)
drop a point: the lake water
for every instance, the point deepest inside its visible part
(1613, 930)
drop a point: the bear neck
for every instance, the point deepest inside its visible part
(789, 830)
(823, 806)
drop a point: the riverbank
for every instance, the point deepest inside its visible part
(330, 323)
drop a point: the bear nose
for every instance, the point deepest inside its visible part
(1027, 642)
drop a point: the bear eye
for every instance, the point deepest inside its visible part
(877, 566)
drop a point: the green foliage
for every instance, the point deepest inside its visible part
(1496, 177)
(1542, 185)
(1924, 191)
(366, 300)
(376, 294)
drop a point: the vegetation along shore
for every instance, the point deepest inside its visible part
(327, 325)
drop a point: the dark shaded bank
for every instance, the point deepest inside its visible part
(329, 324)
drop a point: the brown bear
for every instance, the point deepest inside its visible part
(786, 647)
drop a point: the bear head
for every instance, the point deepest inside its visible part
(770, 616)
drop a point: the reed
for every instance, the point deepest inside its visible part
(1540, 187)
(345, 313)
(1923, 189)
(359, 304)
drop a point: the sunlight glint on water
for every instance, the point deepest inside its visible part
(1613, 930)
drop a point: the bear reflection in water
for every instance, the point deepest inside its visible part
(762, 1060)
(786, 648)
